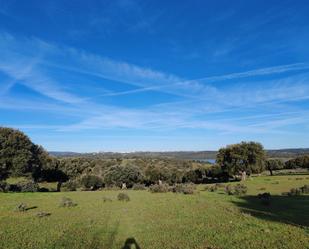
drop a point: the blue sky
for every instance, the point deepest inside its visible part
(129, 75)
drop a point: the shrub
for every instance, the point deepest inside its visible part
(187, 189)
(229, 190)
(305, 189)
(43, 189)
(240, 189)
(138, 186)
(4, 187)
(70, 185)
(91, 182)
(22, 207)
(213, 188)
(265, 198)
(67, 202)
(294, 192)
(219, 185)
(159, 188)
(123, 197)
(28, 186)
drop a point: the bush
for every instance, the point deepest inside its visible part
(239, 189)
(70, 185)
(294, 192)
(4, 187)
(91, 182)
(265, 198)
(67, 202)
(22, 207)
(123, 197)
(229, 190)
(187, 189)
(139, 186)
(159, 188)
(28, 186)
(305, 189)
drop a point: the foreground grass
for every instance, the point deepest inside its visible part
(203, 220)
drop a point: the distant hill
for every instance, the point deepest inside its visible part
(188, 155)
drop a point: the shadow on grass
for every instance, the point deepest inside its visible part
(129, 243)
(285, 209)
(29, 208)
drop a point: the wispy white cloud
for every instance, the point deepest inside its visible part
(23, 61)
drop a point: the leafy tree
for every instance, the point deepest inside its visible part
(245, 157)
(117, 175)
(91, 182)
(298, 162)
(274, 164)
(18, 155)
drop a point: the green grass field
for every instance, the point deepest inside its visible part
(165, 220)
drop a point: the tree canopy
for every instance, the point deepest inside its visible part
(18, 155)
(246, 157)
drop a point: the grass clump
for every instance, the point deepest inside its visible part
(123, 197)
(106, 199)
(42, 214)
(67, 202)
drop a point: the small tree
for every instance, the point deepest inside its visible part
(274, 164)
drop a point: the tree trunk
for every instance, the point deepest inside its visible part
(271, 172)
(243, 175)
(59, 186)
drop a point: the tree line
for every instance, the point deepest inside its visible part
(20, 157)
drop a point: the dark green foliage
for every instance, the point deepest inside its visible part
(92, 182)
(4, 187)
(246, 157)
(67, 202)
(28, 186)
(187, 189)
(294, 192)
(159, 188)
(19, 156)
(298, 162)
(274, 164)
(139, 186)
(70, 185)
(123, 197)
(129, 174)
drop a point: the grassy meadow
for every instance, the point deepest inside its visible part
(160, 220)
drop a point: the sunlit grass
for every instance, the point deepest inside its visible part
(167, 220)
